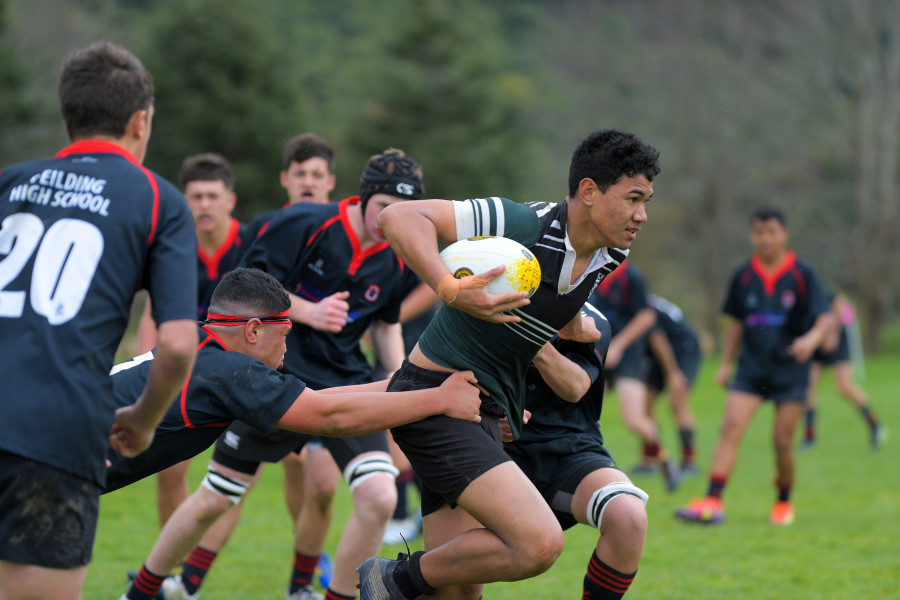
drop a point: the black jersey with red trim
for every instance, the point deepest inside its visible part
(775, 307)
(554, 419)
(621, 296)
(211, 268)
(79, 233)
(313, 251)
(224, 386)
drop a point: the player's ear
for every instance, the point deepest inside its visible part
(252, 330)
(586, 190)
(139, 123)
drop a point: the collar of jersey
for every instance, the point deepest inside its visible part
(95, 147)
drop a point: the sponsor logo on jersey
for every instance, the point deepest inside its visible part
(372, 293)
(788, 298)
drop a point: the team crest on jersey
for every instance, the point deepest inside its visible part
(372, 293)
(788, 299)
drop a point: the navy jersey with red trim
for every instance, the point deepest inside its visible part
(775, 307)
(211, 268)
(621, 296)
(313, 251)
(553, 418)
(79, 233)
(224, 386)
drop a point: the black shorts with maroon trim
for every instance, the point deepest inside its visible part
(557, 467)
(48, 517)
(446, 453)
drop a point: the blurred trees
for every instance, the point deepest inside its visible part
(793, 104)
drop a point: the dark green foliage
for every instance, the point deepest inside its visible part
(222, 85)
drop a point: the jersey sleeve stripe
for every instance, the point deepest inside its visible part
(479, 216)
(155, 216)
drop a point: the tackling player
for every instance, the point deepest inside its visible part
(241, 345)
(79, 233)
(561, 451)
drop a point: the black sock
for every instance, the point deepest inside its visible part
(602, 582)
(408, 577)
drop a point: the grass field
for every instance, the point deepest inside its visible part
(845, 542)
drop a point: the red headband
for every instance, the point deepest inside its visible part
(229, 321)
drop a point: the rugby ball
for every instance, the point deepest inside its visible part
(474, 256)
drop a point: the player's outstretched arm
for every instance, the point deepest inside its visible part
(134, 425)
(350, 411)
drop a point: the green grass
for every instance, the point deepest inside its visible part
(844, 543)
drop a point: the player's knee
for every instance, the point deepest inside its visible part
(543, 549)
(365, 467)
(376, 496)
(625, 523)
(226, 491)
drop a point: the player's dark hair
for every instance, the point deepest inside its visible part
(206, 167)
(247, 292)
(765, 213)
(393, 173)
(100, 88)
(608, 155)
(304, 147)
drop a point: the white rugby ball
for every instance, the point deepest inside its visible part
(474, 256)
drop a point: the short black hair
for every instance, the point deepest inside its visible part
(100, 88)
(765, 213)
(609, 154)
(304, 147)
(248, 292)
(206, 167)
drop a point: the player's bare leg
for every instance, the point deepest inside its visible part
(373, 503)
(294, 465)
(320, 483)
(739, 410)
(171, 489)
(24, 582)
(487, 541)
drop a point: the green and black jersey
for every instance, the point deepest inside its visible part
(499, 353)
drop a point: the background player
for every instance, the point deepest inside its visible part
(622, 298)
(561, 451)
(245, 334)
(208, 184)
(835, 353)
(307, 175)
(79, 233)
(779, 316)
(674, 356)
(578, 242)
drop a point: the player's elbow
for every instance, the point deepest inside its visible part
(176, 343)
(388, 217)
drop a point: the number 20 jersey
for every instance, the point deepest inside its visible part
(79, 233)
